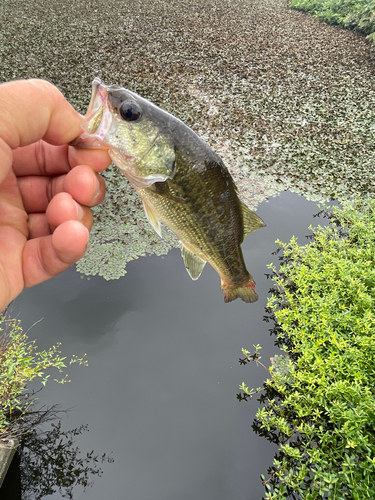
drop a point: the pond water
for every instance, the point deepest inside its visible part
(159, 393)
(267, 87)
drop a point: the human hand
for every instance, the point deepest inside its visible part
(46, 186)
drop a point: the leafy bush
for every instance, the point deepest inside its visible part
(21, 363)
(320, 399)
(354, 14)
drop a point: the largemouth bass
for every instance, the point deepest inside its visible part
(180, 180)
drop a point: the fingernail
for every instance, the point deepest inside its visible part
(97, 188)
(80, 212)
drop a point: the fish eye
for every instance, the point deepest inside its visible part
(130, 111)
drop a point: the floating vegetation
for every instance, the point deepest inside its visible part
(287, 102)
(121, 232)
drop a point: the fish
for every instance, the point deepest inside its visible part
(181, 181)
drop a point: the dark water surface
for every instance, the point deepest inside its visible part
(160, 389)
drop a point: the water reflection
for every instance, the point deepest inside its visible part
(99, 316)
(49, 461)
(269, 396)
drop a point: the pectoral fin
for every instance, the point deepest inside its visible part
(194, 265)
(152, 219)
(251, 222)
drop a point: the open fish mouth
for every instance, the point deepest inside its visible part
(98, 119)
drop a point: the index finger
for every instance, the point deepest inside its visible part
(33, 110)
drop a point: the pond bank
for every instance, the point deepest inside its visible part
(319, 402)
(358, 16)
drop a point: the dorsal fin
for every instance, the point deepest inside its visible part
(194, 265)
(251, 222)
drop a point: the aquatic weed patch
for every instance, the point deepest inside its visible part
(353, 14)
(288, 102)
(320, 405)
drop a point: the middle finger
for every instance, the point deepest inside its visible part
(84, 185)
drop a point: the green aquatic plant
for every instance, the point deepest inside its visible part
(354, 14)
(318, 404)
(21, 363)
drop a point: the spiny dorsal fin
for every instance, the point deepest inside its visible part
(194, 265)
(152, 219)
(251, 222)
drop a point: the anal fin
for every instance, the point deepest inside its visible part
(194, 265)
(152, 219)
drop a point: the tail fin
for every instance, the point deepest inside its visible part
(245, 292)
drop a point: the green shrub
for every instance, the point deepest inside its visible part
(21, 363)
(353, 14)
(320, 399)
